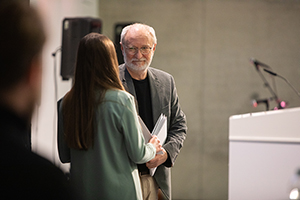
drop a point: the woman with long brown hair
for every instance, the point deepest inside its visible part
(98, 128)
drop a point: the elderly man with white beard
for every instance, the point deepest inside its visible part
(155, 92)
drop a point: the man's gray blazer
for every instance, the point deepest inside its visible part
(164, 100)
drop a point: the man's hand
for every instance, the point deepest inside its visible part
(158, 160)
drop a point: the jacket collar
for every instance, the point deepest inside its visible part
(127, 80)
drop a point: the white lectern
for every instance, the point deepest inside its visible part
(264, 154)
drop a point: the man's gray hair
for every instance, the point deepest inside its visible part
(144, 26)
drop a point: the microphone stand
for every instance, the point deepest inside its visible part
(266, 83)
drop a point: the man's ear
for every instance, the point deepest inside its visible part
(122, 48)
(35, 71)
(34, 78)
(154, 47)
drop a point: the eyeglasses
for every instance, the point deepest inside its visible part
(133, 50)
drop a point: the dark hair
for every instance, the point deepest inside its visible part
(21, 39)
(96, 71)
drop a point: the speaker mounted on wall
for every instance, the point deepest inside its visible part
(73, 29)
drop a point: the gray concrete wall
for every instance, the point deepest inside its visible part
(206, 46)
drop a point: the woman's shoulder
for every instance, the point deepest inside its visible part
(118, 96)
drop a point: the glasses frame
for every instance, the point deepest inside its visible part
(136, 49)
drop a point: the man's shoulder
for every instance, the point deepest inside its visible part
(19, 156)
(29, 169)
(157, 73)
(122, 71)
(160, 74)
(122, 67)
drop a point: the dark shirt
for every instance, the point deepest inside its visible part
(143, 94)
(24, 174)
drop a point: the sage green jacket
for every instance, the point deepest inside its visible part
(108, 170)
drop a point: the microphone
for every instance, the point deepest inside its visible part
(258, 63)
(274, 74)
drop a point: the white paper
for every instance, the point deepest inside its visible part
(160, 130)
(146, 133)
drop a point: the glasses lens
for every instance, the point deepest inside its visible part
(145, 50)
(134, 50)
(131, 50)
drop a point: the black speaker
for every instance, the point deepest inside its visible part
(73, 29)
(118, 30)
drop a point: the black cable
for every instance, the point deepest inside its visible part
(275, 74)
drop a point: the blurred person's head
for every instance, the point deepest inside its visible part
(96, 72)
(21, 41)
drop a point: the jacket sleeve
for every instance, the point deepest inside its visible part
(137, 150)
(177, 128)
(63, 149)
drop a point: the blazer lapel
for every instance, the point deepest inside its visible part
(129, 84)
(156, 93)
(127, 80)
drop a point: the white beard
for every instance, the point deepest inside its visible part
(134, 67)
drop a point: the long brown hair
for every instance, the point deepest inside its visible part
(96, 71)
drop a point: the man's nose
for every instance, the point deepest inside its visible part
(138, 54)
